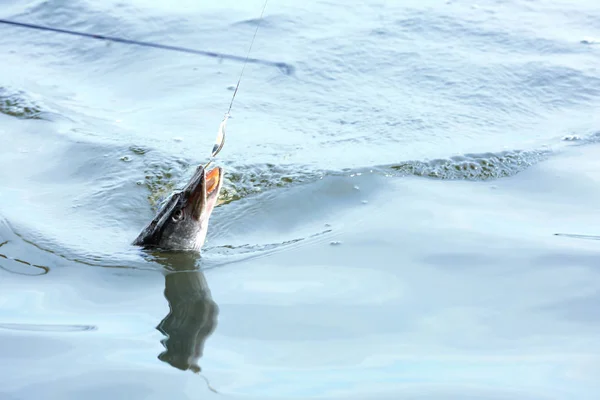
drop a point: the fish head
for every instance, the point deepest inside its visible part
(182, 222)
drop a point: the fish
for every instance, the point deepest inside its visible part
(182, 222)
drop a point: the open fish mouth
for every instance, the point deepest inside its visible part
(213, 179)
(205, 192)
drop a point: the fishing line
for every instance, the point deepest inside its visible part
(221, 133)
(247, 55)
(286, 68)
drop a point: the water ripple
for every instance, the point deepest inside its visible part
(48, 327)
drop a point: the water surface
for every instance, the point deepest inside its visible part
(410, 214)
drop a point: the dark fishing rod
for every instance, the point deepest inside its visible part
(286, 68)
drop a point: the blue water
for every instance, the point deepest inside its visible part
(410, 214)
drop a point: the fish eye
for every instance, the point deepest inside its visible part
(177, 215)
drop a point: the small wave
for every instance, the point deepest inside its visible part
(162, 174)
(17, 103)
(279, 22)
(483, 36)
(245, 180)
(577, 140)
(47, 327)
(72, 14)
(577, 236)
(163, 178)
(472, 166)
(228, 254)
(241, 180)
(590, 41)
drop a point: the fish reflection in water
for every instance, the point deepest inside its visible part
(192, 314)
